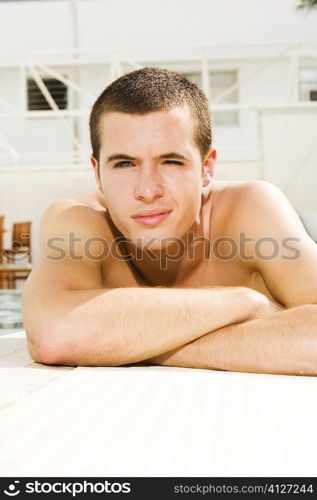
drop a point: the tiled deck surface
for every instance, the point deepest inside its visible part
(151, 421)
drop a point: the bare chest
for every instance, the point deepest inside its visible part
(210, 272)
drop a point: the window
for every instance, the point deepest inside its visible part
(308, 84)
(220, 81)
(35, 99)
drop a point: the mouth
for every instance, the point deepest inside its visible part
(151, 220)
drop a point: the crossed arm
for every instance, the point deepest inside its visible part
(283, 343)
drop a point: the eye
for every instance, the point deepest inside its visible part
(174, 162)
(122, 164)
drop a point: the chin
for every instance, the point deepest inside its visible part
(156, 240)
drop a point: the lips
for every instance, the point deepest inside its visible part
(152, 211)
(151, 217)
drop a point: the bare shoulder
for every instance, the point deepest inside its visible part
(73, 237)
(256, 206)
(238, 188)
(72, 223)
(232, 198)
(90, 201)
(78, 213)
(246, 196)
(262, 204)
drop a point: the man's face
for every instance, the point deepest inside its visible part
(150, 162)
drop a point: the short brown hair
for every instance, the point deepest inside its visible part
(152, 89)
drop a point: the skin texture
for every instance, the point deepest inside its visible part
(202, 210)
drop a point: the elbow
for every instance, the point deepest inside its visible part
(56, 347)
(46, 354)
(44, 348)
(67, 342)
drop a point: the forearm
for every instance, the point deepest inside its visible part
(283, 343)
(126, 325)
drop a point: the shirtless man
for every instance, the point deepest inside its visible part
(225, 278)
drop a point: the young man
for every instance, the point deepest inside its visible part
(161, 265)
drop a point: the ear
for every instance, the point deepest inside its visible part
(209, 165)
(95, 166)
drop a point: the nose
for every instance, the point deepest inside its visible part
(148, 186)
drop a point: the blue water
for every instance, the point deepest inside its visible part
(10, 312)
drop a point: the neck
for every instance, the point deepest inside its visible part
(163, 267)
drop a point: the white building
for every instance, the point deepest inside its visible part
(257, 61)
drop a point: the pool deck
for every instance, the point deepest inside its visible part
(151, 421)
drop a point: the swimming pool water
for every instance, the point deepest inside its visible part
(10, 311)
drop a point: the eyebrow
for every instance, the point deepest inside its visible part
(123, 156)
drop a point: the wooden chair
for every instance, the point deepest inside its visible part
(16, 261)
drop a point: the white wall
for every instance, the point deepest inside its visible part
(111, 24)
(290, 156)
(27, 26)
